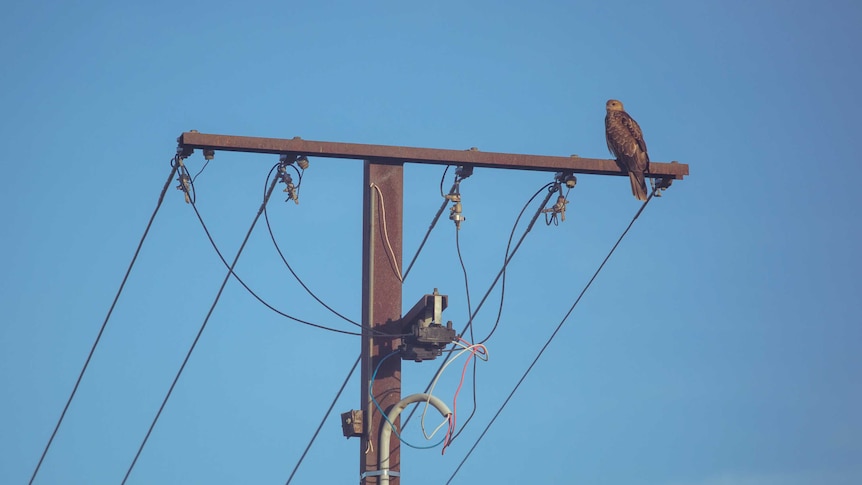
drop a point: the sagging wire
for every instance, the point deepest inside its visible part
(558, 208)
(205, 321)
(551, 190)
(556, 187)
(554, 334)
(282, 171)
(377, 333)
(174, 166)
(386, 417)
(466, 347)
(476, 351)
(394, 259)
(456, 215)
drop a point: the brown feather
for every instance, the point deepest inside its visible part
(625, 141)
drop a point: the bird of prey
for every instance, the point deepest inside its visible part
(626, 143)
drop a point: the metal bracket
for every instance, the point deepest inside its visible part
(427, 336)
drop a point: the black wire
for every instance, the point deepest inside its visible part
(469, 312)
(255, 295)
(551, 338)
(441, 181)
(506, 257)
(107, 317)
(499, 311)
(515, 249)
(325, 416)
(264, 302)
(200, 331)
(430, 228)
(466, 280)
(200, 171)
(494, 283)
(298, 279)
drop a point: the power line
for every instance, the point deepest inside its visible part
(326, 415)
(502, 293)
(203, 325)
(551, 338)
(425, 239)
(505, 257)
(174, 165)
(298, 279)
(252, 292)
(469, 312)
(433, 221)
(264, 302)
(502, 271)
(256, 296)
(550, 185)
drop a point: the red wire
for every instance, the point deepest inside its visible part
(473, 353)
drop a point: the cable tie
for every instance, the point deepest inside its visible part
(379, 473)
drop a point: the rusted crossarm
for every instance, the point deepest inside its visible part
(385, 153)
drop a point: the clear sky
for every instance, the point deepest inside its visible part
(720, 345)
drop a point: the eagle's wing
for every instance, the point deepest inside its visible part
(632, 126)
(623, 142)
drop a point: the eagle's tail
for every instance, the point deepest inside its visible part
(638, 185)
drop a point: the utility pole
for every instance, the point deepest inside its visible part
(381, 248)
(381, 305)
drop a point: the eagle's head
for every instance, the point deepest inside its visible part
(614, 105)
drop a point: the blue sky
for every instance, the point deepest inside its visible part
(720, 345)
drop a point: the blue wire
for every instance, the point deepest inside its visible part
(394, 430)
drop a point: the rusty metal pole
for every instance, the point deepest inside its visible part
(381, 308)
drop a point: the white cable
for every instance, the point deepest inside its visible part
(386, 233)
(467, 348)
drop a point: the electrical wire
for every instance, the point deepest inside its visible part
(473, 353)
(203, 325)
(505, 264)
(394, 259)
(325, 416)
(472, 338)
(428, 232)
(298, 279)
(436, 378)
(200, 171)
(264, 302)
(252, 292)
(505, 258)
(551, 190)
(466, 279)
(441, 181)
(554, 334)
(383, 413)
(174, 166)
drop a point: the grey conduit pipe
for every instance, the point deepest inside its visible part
(383, 447)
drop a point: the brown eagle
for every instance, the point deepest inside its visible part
(626, 143)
